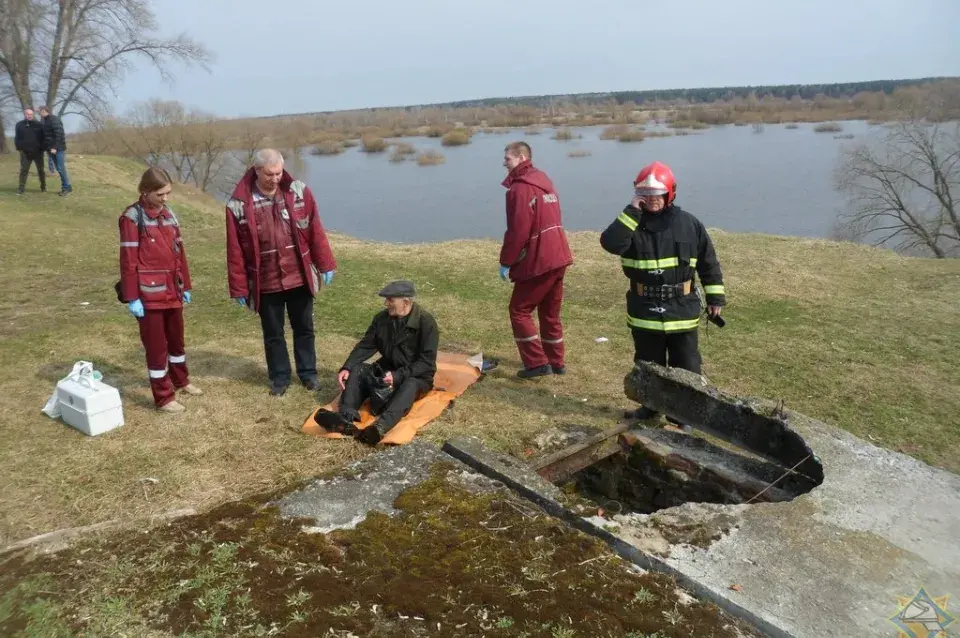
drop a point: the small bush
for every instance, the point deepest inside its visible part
(372, 144)
(578, 153)
(456, 137)
(439, 130)
(827, 127)
(632, 136)
(792, 126)
(430, 158)
(660, 134)
(532, 130)
(404, 148)
(614, 132)
(328, 148)
(563, 134)
(351, 143)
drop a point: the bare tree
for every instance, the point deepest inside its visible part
(902, 188)
(74, 52)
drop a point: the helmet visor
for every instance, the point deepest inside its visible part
(646, 191)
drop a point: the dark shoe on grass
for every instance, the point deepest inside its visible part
(540, 371)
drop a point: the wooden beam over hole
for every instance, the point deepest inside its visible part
(563, 464)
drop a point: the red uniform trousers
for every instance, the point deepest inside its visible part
(161, 332)
(545, 294)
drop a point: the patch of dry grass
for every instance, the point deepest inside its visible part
(456, 137)
(827, 127)
(430, 157)
(328, 147)
(373, 144)
(809, 321)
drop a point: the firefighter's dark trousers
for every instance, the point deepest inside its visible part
(676, 349)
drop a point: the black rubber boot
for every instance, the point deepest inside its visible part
(529, 373)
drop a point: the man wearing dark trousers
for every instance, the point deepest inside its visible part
(29, 140)
(407, 338)
(278, 256)
(55, 142)
(662, 248)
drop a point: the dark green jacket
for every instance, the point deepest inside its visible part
(407, 346)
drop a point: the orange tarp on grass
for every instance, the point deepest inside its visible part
(454, 376)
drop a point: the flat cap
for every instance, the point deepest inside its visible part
(398, 289)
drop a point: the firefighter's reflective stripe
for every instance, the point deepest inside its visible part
(650, 264)
(553, 341)
(627, 221)
(157, 374)
(178, 359)
(522, 339)
(716, 289)
(129, 244)
(655, 264)
(669, 325)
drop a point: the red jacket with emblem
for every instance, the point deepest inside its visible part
(153, 264)
(534, 242)
(244, 260)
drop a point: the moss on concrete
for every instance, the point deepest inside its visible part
(451, 562)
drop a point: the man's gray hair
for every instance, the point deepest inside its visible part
(267, 157)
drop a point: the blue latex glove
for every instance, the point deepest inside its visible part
(504, 272)
(328, 277)
(186, 296)
(136, 308)
(242, 301)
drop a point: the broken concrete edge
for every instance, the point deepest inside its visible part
(693, 400)
(529, 485)
(61, 538)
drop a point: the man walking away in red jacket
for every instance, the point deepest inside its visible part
(277, 257)
(535, 255)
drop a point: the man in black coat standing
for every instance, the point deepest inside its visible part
(407, 338)
(56, 145)
(29, 140)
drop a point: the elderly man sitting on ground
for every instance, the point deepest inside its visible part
(406, 337)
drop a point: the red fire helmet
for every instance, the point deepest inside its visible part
(656, 179)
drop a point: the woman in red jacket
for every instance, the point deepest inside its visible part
(155, 283)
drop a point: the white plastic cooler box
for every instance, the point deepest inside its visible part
(89, 405)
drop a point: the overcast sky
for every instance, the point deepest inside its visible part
(311, 55)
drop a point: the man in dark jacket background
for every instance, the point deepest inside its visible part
(56, 144)
(29, 140)
(535, 256)
(407, 338)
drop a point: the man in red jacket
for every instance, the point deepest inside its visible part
(277, 257)
(535, 255)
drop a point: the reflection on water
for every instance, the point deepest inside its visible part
(778, 181)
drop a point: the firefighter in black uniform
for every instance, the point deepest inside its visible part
(407, 338)
(661, 247)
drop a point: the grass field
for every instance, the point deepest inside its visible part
(860, 338)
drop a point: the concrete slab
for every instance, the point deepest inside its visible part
(832, 562)
(371, 484)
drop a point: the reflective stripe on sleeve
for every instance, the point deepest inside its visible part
(627, 221)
